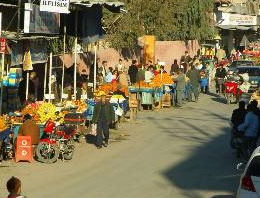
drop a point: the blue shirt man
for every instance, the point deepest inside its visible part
(250, 125)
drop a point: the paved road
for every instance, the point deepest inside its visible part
(181, 153)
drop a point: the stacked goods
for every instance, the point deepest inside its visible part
(31, 109)
(46, 112)
(166, 100)
(82, 106)
(162, 79)
(111, 87)
(117, 98)
(143, 85)
(3, 124)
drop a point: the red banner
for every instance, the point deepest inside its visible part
(2, 45)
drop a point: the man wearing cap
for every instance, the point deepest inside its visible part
(103, 116)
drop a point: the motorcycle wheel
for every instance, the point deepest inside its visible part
(69, 152)
(45, 156)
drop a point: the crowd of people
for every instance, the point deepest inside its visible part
(186, 73)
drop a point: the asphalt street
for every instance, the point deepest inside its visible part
(182, 153)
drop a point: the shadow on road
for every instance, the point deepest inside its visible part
(221, 100)
(210, 166)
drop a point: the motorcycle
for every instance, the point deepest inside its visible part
(7, 147)
(232, 91)
(57, 142)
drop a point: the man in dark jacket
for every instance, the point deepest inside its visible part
(221, 73)
(180, 80)
(30, 128)
(103, 115)
(238, 115)
(194, 75)
(140, 76)
(132, 72)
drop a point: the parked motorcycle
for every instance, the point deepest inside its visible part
(76, 121)
(232, 91)
(7, 147)
(57, 142)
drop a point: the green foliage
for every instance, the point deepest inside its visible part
(56, 45)
(166, 19)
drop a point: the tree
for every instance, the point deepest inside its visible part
(166, 19)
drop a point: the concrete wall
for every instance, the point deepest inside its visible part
(165, 51)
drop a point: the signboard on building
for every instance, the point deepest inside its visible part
(57, 6)
(236, 19)
(2, 45)
(38, 22)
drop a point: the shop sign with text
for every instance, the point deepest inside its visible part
(237, 19)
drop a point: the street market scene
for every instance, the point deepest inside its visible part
(116, 98)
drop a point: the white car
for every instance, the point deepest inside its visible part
(249, 186)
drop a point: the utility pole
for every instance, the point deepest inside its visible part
(18, 18)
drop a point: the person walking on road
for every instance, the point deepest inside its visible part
(194, 75)
(250, 129)
(132, 72)
(237, 118)
(180, 87)
(221, 73)
(103, 115)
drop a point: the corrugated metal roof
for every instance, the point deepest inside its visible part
(89, 3)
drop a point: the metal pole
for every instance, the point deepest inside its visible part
(2, 87)
(27, 85)
(95, 68)
(63, 64)
(18, 18)
(50, 73)
(75, 57)
(45, 79)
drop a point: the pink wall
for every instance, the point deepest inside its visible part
(112, 56)
(165, 51)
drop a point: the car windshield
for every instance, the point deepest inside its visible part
(254, 167)
(251, 71)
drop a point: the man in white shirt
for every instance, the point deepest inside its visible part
(102, 68)
(149, 74)
(119, 66)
